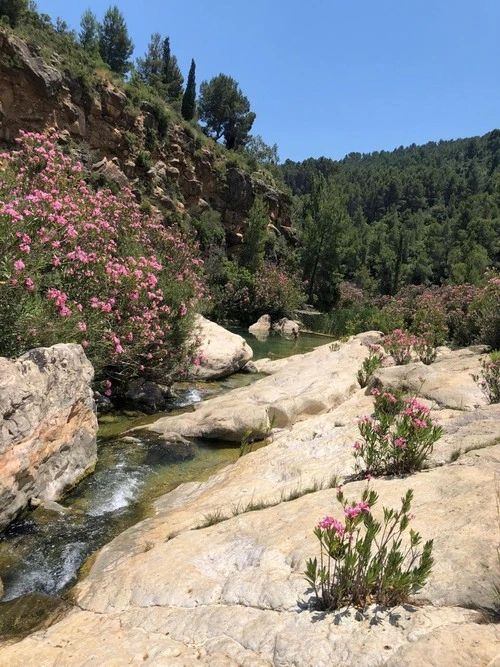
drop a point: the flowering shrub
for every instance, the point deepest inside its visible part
(395, 443)
(370, 364)
(242, 295)
(485, 310)
(362, 561)
(489, 381)
(276, 292)
(425, 349)
(89, 267)
(399, 344)
(387, 404)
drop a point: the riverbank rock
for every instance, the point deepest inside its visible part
(48, 429)
(216, 576)
(301, 386)
(222, 351)
(261, 328)
(287, 327)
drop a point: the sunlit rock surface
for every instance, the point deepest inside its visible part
(48, 429)
(167, 592)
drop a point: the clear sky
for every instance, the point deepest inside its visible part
(329, 77)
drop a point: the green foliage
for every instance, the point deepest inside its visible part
(209, 229)
(254, 241)
(489, 380)
(323, 239)
(188, 108)
(369, 365)
(225, 111)
(14, 10)
(172, 78)
(149, 68)
(257, 149)
(418, 215)
(115, 45)
(237, 294)
(276, 292)
(362, 560)
(88, 36)
(395, 442)
(485, 312)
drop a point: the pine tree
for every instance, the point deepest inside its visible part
(225, 111)
(189, 98)
(89, 31)
(150, 68)
(253, 252)
(115, 45)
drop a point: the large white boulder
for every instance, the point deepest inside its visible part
(222, 352)
(48, 426)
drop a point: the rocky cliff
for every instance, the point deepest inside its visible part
(47, 425)
(183, 174)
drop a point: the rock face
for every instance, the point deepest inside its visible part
(169, 592)
(35, 96)
(223, 352)
(48, 429)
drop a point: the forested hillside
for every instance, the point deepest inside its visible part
(418, 215)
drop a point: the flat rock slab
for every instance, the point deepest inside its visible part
(305, 385)
(168, 592)
(448, 381)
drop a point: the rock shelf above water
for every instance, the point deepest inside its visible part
(167, 592)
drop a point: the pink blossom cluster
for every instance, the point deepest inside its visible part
(329, 523)
(122, 279)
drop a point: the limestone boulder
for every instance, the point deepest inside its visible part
(304, 385)
(48, 428)
(222, 352)
(287, 327)
(448, 382)
(261, 328)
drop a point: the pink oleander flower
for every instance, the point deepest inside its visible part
(82, 326)
(329, 523)
(19, 265)
(353, 512)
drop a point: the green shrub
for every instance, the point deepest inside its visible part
(397, 440)
(363, 561)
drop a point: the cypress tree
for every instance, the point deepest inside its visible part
(171, 74)
(189, 98)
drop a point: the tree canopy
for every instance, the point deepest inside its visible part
(13, 10)
(115, 45)
(418, 215)
(225, 111)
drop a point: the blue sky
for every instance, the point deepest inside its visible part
(329, 77)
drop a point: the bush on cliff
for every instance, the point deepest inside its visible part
(89, 267)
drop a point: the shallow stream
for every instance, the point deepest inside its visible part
(43, 549)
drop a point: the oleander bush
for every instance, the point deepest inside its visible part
(364, 560)
(89, 267)
(398, 439)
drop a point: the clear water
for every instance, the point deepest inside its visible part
(43, 550)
